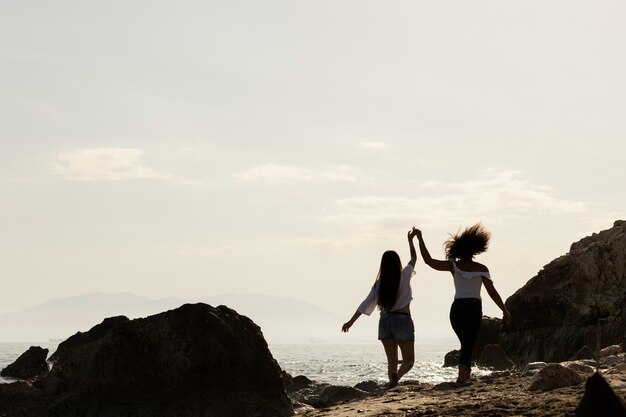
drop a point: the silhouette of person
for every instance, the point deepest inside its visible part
(392, 294)
(469, 276)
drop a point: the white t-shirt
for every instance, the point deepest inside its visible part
(404, 293)
(468, 284)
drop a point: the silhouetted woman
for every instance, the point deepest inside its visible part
(392, 293)
(466, 311)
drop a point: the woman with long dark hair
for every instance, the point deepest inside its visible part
(392, 294)
(466, 311)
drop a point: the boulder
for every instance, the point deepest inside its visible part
(554, 376)
(370, 386)
(610, 351)
(193, 361)
(494, 357)
(298, 383)
(30, 364)
(451, 358)
(580, 367)
(611, 361)
(488, 335)
(326, 395)
(600, 400)
(560, 308)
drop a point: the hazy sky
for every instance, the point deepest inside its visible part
(199, 148)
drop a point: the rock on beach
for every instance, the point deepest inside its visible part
(194, 361)
(570, 301)
(30, 364)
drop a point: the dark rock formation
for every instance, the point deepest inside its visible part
(370, 386)
(30, 364)
(305, 392)
(494, 357)
(600, 400)
(451, 358)
(298, 383)
(326, 395)
(488, 335)
(196, 360)
(557, 312)
(96, 332)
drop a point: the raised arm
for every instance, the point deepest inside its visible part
(428, 260)
(491, 290)
(410, 236)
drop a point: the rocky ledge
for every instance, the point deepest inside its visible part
(574, 300)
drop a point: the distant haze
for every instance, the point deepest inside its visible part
(282, 320)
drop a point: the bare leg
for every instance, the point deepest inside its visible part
(391, 350)
(408, 357)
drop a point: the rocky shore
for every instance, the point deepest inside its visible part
(541, 389)
(501, 394)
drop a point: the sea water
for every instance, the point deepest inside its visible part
(337, 364)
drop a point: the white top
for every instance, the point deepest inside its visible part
(404, 293)
(468, 284)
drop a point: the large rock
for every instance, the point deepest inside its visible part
(600, 400)
(30, 364)
(326, 395)
(196, 360)
(451, 358)
(557, 312)
(488, 335)
(610, 351)
(493, 357)
(554, 376)
(81, 338)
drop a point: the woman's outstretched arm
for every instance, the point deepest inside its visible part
(493, 293)
(428, 260)
(346, 326)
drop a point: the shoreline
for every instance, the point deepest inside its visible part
(499, 394)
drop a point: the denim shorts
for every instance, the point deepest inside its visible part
(396, 326)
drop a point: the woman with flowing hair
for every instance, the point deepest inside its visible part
(466, 311)
(392, 294)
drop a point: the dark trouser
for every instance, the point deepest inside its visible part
(465, 316)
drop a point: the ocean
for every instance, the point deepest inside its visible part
(337, 364)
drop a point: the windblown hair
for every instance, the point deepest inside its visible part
(389, 278)
(469, 243)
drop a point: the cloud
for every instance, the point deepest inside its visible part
(109, 164)
(494, 196)
(280, 174)
(375, 145)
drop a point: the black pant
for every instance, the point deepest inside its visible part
(465, 316)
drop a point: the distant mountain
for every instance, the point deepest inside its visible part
(282, 320)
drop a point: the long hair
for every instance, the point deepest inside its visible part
(469, 243)
(389, 278)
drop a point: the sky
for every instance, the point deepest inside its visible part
(192, 149)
